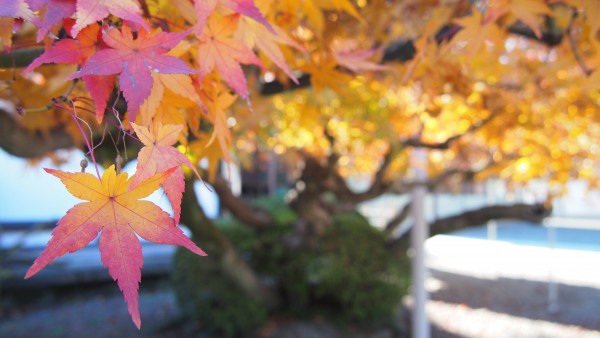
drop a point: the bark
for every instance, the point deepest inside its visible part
(534, 213)
(208, 236)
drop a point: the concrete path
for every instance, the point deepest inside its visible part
(520, 285)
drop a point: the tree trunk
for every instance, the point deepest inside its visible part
(308, 202)
(208, 236)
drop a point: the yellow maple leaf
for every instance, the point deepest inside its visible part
(475, 33)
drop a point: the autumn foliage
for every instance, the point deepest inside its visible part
(505, 88)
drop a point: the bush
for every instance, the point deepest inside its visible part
(346, 275)
(212, 300)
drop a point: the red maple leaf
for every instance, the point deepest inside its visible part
(114, 208)
(219, 49)
(134, 60)
(158, 155)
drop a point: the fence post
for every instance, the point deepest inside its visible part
(419, 233)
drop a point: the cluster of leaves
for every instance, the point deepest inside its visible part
(174, 64)
(346, 276)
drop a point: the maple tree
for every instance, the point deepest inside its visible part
(505, 88)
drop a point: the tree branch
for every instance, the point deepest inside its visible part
(245, 213)
(18, 58)
(534, 213)
(416, 142)
(573, 45)
(377, 188)
(22, 143)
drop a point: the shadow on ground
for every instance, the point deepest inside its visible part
(578, 306)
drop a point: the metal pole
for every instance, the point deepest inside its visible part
(419, 233)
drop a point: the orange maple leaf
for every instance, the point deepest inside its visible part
(253, 34)
(114, 208)
(179, 84)
(216, 103)
(218, 49)
(158, 155)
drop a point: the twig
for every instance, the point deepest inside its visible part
(417, 142)
(73, 114)
(63, 98)
(573, 44)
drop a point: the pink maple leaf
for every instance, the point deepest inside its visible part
(134, 60)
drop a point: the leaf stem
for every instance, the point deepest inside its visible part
(73, 114)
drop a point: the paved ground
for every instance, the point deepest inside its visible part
(519, 286)
(479, 288)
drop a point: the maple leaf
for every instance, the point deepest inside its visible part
(17, 9)
(208, 150)
(52, 12)
(77, 51)
(528, 11)
(69, 51)
(254, 34)
(158, 155)
(134, 60)
(218, 49)
(180, 84)
(325, 74)
(217, 102)
(315, 9)
(346, 55)
(100, 87)
(245, 7)
(476, 32)
(10, 10)
(114, 208)
(90, 11)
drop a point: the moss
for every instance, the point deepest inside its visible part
(346, 275)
